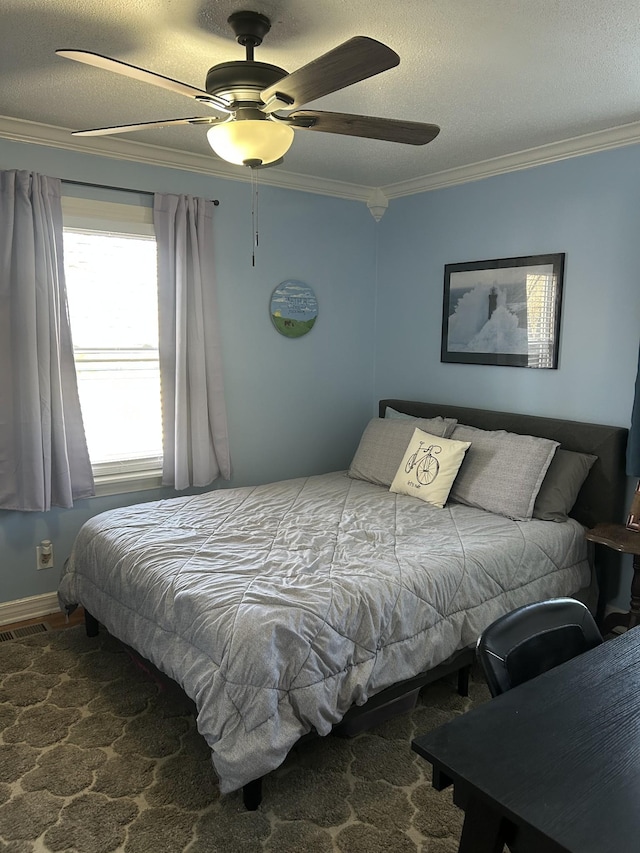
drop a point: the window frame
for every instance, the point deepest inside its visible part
(107, 217)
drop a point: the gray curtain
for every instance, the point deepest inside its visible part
(194, 419)
(43, 452)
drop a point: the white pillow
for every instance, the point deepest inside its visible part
(429, 467)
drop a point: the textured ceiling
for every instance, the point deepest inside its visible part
(498, 76)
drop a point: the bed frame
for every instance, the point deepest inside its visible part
(602, 496)
(601, 499)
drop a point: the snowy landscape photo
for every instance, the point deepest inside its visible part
(503, 312)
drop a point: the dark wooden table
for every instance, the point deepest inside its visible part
(621, 539)
(552, 766)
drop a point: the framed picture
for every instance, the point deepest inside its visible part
(504, 312)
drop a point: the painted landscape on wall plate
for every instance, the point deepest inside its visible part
(294, 308)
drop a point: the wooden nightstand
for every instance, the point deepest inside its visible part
(620, 538)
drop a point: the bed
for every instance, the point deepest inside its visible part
(324, 603)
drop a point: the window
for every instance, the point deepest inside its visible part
(541, 317)
(110, 268)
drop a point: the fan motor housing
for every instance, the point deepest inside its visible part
(242, 80)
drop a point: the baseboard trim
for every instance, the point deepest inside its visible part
(28, 608)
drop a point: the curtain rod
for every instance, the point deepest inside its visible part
(120, 189)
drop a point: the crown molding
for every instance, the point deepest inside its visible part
(21, 130)
(589, 143)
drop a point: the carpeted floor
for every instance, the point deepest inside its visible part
(96, 756)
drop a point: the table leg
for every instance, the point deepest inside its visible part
(483, 830)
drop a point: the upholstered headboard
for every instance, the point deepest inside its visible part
(602, 497)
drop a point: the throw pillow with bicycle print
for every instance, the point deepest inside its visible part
(424, 463)
(429, 467)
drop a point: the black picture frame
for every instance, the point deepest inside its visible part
(503, 312)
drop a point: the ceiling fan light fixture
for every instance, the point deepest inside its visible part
(250, 141)
(251, 96)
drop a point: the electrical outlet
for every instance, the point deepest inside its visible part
(44, 555)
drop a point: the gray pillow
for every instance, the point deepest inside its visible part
(384, 442)
(394, 413)
(560, 487)
(502, 471)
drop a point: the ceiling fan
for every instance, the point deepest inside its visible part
(256, 105)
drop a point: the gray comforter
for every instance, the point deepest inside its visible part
(277, 607)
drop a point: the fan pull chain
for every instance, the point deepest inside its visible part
(254, 215)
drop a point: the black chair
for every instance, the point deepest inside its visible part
(532, 639)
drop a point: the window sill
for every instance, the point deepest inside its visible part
(117, 484)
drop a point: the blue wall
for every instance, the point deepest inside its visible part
(587, 207)
(294, 406)
(299, 406)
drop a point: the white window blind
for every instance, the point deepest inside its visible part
(541, 318)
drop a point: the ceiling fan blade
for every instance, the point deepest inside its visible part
(144, 76)
(368, 127)
(147, 125)
(354, 60)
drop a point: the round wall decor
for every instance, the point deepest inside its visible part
(294, 308)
